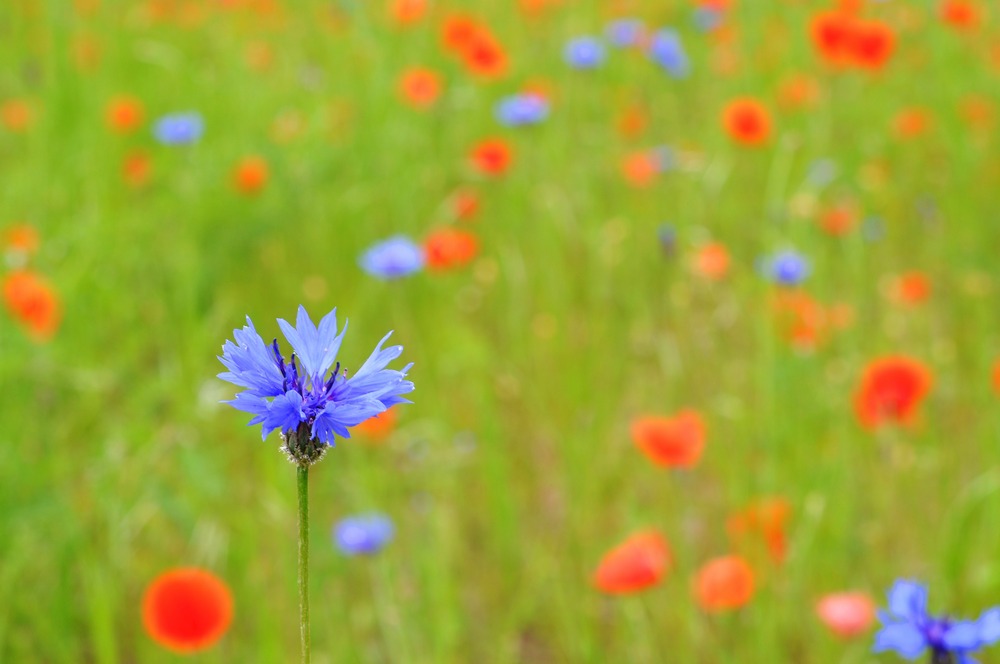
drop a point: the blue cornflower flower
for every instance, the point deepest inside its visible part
(909, 630)
(787, 268)
(584, 53)
(396, 257)
(625, 32)
(179, 128)
(665, 49)
(364, 534)
(296, 396)
(522, 109)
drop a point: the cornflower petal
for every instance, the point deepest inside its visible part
(989, 626)
(908, 600)
(903, 638)
(285, 412)
(251, 364)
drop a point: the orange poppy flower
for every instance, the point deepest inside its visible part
(832, 34)
(187, 610)
(465, 204)
(406, 12)
(910, 288)
(16, 115)
(19, 238)
(723, 584)
(32, 302)
(632, 121)
(996, 376)
(891, 390)
(640, 168)
(492, 156)
(458, 32)
(378, 427)
(449, 248)
(485, 57)
(420, 87)
(638, 563)
(767, 517)
(136, 169)
(872, 44)
(124, 114)
(911, 123)
(839, 219)
(250, 175)
(960, 14)
(711, 261)
(847, 614)
(676, 441)
(747, 121)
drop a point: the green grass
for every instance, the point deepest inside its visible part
(513, 472)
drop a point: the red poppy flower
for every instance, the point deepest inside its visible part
(960, 14)
(833, 35)
(250, 175)
(872, 44)
(16, 115)
(448, 248)
(769, 519)
(378, 427)
(458, 32)
(32, 302)
(186, 610)
(632, 121)
(638, 563)
(420, 87)
(406, 12)
(465, 204)
(124, 114)
(839, 219)
(847, 614)
(484, 56)
(799, 91)
(641, 168)
(492, 156)
(747, 121)
(675, 441)
(891, 390)
(711, 261)
(910, 288)
(723, 584)
(996, 376)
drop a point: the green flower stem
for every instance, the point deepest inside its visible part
(303, 482)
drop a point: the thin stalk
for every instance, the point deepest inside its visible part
(303, 483)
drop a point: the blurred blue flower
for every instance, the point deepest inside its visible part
(708, 18)
(625, 32)
(364, 534)
(281, 395)
(665, 49)
(908, 630)
(396, 257)
(522, 109)
(179, 128)
(667, 236)
(584, 53)
(787, 268)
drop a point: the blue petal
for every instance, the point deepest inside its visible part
(903, 638)
(250, 363)
(285, 412)
(989, 626)
(962, 636)
(908, 600)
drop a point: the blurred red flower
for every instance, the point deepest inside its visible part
(124, 114)
(711, 261)
(723, 584)
(747, 121)
(378, 427)
(767, 517)
(406, 12)
(638, 563)
(847, 614)
(32, 302)
(449, 248)
(960, 14)
(492, 156)
(676, 441)
(187, 610)
(250, 175)
(420, 87)
(891, 390)
(872, 44)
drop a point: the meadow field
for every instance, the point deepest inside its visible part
(681, 281)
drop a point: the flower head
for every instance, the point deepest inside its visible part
(179, 128)
(584, 53)
(399, 256)
(676, 441)
(723, 584)
(365, 534)
(636, 564)
(186, 610)
(665, 49)
(625, 32)
(296, 396)
(909, 630)
(786, 268)
(846, 614)
(891, 391)
(522, 109)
